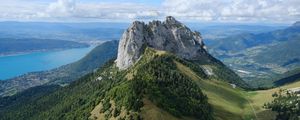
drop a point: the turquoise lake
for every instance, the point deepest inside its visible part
(12, 66)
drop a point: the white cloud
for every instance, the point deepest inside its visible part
(195, 10)
(112, 11)
(235, 10)
(62, 8)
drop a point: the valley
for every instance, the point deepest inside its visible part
(260, 59)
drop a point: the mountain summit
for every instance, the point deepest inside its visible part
(169, 35)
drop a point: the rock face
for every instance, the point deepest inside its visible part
(169, 35)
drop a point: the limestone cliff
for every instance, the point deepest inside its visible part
(169, 35)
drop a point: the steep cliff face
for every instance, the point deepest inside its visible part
(169, 35)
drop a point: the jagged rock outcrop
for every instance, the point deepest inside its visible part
(169, 35)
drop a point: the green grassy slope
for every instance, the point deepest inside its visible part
(234, 103)
(258, 99)
(228, 103)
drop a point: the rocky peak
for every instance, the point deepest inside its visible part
(171, 21)
(169, 35)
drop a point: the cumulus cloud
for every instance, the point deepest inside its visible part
(195, 10)
(99, 10)
(234, 10)
(62, 8)
(113, 11)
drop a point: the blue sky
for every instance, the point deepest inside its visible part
(256, 11)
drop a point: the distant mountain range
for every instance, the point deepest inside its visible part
(62, 31)
(260, 58)
(11, 46)
(64, 74)
(217, 31)
(247, 40)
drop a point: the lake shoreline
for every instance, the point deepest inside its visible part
(26, 62)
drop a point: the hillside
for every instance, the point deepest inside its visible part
(11, 46)
(259, 98)
(260, 58)
(160, 75)
(228, 103)
(288, 77)
(64, 74)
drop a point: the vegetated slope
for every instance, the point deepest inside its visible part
(12, 46)
(260, 58)
(29, 94)
(259, 98)
(229, 103)
(64, 74)
(288, 77)
(159, 81)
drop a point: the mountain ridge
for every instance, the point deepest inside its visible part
(169, 35)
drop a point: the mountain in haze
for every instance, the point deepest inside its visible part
(13, 46)
(64, 74)
(248, 40)
(162, 71)
(260, 59)
(63, 31)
